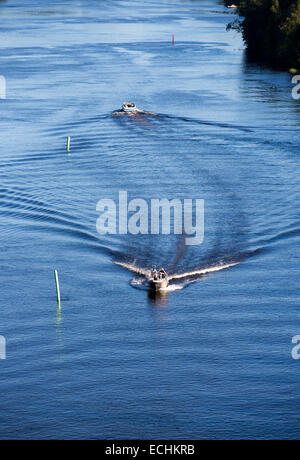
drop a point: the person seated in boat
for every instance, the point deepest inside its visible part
(154, 273)
(162, 274)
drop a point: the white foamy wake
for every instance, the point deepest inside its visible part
(173, 287)
(133, 268)
(202, 271)
(137, 281)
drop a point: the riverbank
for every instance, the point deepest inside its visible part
(271, 31)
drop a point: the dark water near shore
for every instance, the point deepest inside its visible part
(209, 361)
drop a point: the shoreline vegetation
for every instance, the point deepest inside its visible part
(271, 31)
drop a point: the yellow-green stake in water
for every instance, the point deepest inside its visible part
(68, 143)
(57, 287)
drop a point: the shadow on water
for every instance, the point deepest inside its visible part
(158, 299)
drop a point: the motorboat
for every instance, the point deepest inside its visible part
(159, 280)
(158, 284)
(129, 107)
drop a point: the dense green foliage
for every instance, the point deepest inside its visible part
(271, 30)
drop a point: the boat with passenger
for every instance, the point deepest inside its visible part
(130, 109)
(159, 279)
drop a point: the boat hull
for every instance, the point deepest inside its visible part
(132, 110)
(158, 285)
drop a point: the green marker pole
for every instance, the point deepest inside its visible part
(57, 287)
(68, 143)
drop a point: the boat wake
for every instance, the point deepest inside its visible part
(202, 271)
(141, 283)
(188, 277)
(133, 268)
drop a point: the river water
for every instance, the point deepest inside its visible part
(211, 359)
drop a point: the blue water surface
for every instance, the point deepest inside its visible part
(212, 360)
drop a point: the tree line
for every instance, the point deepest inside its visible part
(271, 30)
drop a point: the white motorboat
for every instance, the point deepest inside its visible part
(159, 284)
(129, 107)
(159, 280)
